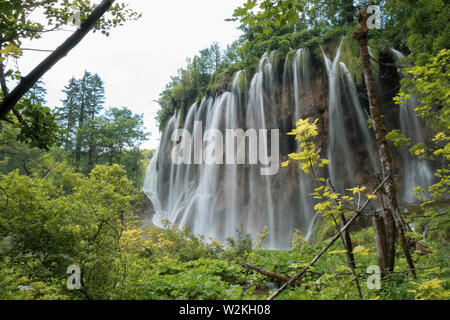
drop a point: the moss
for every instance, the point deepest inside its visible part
(180, 118)
(323, 229)
(290, 56)
(242, 82)
(350, 56)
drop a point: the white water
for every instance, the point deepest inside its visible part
(218, 200)
(415, 172)
(302, 86)
(221, 200)
(347, 127)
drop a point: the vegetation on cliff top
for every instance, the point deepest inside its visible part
(403, 24)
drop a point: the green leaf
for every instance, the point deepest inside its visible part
(292, 16)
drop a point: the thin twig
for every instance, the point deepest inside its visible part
(38, 50)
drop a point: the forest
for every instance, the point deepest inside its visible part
(360, 93)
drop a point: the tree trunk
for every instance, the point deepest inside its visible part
(350, 257)
(392, 214)
(380, 242)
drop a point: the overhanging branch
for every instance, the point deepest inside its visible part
(28, 81)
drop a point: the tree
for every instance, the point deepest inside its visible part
(82, 105)
(92, 99)
(67, 114)
(421, 26)
(93, 137)
(211, 58)
(17, 25)
(37, 93)
(385, 228)
(120, 130)
(19, 155)
(64, 219)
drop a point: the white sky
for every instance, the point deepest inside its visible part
(137, 60)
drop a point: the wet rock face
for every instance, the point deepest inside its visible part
(145, 208)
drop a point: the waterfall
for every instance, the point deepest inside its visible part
(223, 199)
(302, 86)
(347, 128)
(223, 195)
(150, 187)
(359, 121)
(415, 171)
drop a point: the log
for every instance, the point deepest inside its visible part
(268, 273)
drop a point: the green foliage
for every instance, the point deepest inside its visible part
(266, 15)
(203, 279)
(429, 83)
(50, 223)
(91, 137)
(18, 24)
(39, 127)
(36, 122)
(47, 224)
(398, 139)
(350, 56)
(81, 107)
(423, 23)
(87, 137)
(52, 216)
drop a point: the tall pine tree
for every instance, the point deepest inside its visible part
(81, 107)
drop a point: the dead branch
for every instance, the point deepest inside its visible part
(268, 273)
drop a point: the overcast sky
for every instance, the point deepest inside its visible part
(137, 60)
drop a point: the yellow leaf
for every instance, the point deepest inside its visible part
(361, 250)
(337, 251)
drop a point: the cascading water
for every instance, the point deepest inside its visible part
(359, 122)
(345, 116)
(416, 172)
(302, 86)
(230, 196)
(218, 200)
